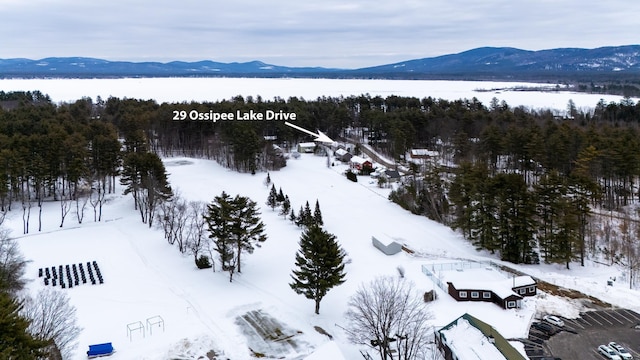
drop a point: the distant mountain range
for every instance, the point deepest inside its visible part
(480, 63)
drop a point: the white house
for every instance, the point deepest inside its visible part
(306, 147)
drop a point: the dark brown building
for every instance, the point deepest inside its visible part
(507, 294)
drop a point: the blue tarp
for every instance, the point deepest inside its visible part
(100, 349)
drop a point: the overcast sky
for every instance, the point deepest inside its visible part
(329, 33)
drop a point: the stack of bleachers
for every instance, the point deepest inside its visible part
(95, 265)
(69, 279)
(74, 273)
(82, 275)
(61, 274)
(76, 279)
(93, 280)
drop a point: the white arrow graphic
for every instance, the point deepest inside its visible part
(320, 136)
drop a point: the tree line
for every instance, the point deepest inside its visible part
(585, 160)
(74, 152)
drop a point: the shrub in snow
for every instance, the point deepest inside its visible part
(430, 296)
(203, 262)
(352, 176)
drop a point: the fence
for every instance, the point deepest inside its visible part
(432, 269)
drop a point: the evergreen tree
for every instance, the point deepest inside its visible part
(549, 190)
(307, 217)
(130, 176)
(247, 229)
(235, 227)
(272, 199)
(461, 192)
(319, 265)
(15, 341)
(317, 215)
(155, 186)
(286, 206)
(515, 213)
(300, 217)
(280, 196)
(293, 217)
(566, 240)
(219, 218)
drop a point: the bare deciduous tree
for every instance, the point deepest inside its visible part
(12, 264)
(82, 197)
(389, 316)
(3, 214)
(181, 211)
(25, 199)
(173, 218)
(65, 201)
(196, 228)
(628, 249)
(53, 319)
(96, 197)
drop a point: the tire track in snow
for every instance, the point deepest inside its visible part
(221, 338)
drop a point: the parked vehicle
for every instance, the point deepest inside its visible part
(621, 351)
(608, 352)
(543, 327)
(554, 320)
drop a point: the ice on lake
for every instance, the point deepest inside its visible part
(215, 89)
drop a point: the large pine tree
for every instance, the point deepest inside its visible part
(218, 220)
(317, 215)
(235, 227)
(307, 216)
(15, 340)
(319, 265)
(247, 228)
(280, 196)
(272, 199)
(286, 206)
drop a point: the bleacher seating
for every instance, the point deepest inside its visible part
(55, 275)
(82, 275)
(69, 278)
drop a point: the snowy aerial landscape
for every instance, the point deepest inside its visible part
(155, 304)
(336, 180)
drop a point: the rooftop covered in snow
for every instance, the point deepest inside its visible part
(468, 338)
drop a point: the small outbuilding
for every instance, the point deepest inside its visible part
(342, 155)
(307, 147)
(389, 247)
(392, 175)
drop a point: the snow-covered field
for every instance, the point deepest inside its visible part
(145, 277)
(214, 89)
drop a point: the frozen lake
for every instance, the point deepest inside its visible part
(214, 89)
